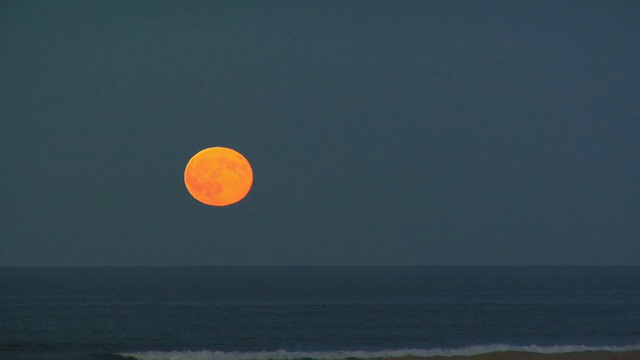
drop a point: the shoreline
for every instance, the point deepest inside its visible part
(496, 355)
(525, 355)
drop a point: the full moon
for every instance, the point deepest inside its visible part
(218, 176)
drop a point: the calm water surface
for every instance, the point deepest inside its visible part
(95, 313)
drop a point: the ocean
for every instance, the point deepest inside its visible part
(235, 313)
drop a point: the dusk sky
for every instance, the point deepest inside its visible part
(379, 132)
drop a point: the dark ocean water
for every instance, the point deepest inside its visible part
(230, 313)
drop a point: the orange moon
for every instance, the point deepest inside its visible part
(218, 176)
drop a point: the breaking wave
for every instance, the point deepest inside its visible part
(337, 355)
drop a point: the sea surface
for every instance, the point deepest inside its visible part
(233, 313)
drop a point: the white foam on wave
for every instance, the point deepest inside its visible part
(337, 355)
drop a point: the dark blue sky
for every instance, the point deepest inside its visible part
(430, 133)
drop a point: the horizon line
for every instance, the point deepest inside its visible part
(319, 266)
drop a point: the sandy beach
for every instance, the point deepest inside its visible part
(517, 355)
